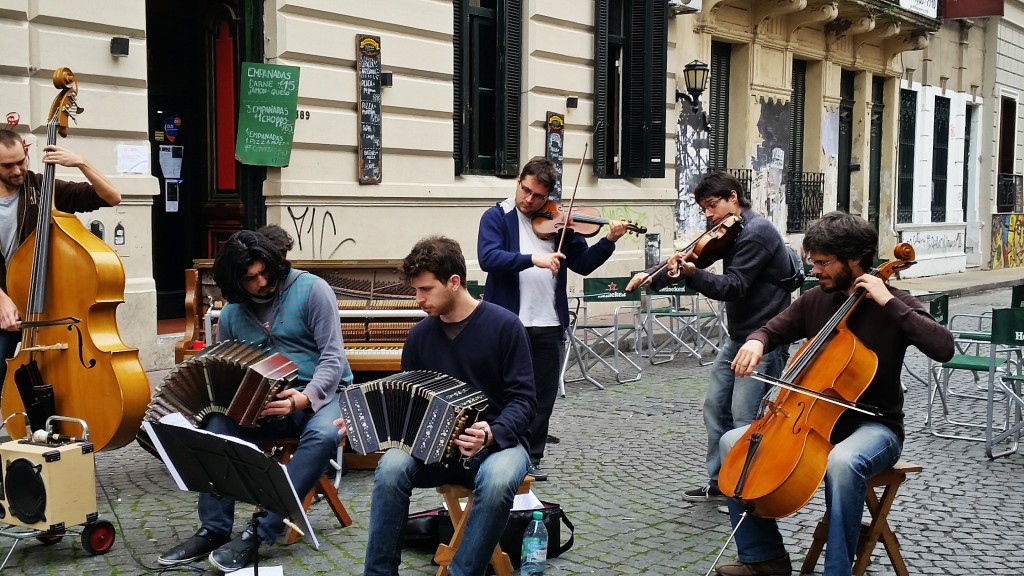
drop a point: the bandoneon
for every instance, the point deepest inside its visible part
(231, 377)
(419, 412)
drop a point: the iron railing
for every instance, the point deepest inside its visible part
(1008, 192)
(805, 195)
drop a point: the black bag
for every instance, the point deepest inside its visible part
(796, 280)
(421, 524)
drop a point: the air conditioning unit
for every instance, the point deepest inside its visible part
(684, 6)
(47, 487)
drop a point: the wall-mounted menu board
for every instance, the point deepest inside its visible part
(368, 105)
(553, 148)
(266, 114)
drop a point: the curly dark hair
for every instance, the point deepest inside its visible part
(720, 184)
(242, 250)
(278, 237)
(437, 254)
(846, 236)
(543, 169)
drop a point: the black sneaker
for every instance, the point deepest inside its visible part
(537, 472)
(199, 545)
(236, 554)
(553, 439)
(705, 493)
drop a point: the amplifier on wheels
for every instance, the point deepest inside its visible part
(48, 484)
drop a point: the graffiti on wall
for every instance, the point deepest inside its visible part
(935, 243)
(1008, 241)
(316, 230)
(768, 161)
(691, 164)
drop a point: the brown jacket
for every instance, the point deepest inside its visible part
(67, 197)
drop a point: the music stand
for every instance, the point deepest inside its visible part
(201, 461)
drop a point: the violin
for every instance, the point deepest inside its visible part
(67, 283)
(553, 218)
(705, 250)
(778, 464)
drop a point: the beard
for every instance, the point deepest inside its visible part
(12, 183)
(840, 281)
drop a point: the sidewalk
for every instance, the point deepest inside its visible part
(963, 283)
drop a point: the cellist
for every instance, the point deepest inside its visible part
(19, 206)
(753, 266)
(841, 248)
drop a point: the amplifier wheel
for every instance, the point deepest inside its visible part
(51, 538)
(98, 537)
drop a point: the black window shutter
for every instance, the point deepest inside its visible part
(796, 104)
(510, 66)
(644, 105)
(718, 106)
(600, 87)
(457, 84)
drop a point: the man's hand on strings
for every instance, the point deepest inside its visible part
(616, 229)
(289, 402)
(747, 358)
(474, 439)
(679, 265)
(639, 279)
(552, 261)
(874, 288)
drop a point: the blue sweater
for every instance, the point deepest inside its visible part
(498, 252)
(491, 354)
(304, 327)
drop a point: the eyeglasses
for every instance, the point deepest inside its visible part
(711, 204)
(529, 194)
(821, 263)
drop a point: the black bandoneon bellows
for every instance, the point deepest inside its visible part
(419, 412)
(231, 377)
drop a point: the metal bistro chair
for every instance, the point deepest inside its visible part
(1007, 331)
(676, 312)
(615, 336)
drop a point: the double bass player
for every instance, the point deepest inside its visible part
(19, 205)
(841, 247)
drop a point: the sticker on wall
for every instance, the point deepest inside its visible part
(171, 126)
(119, 234)
(96, 227)
(171, 190)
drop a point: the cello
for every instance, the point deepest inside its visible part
(777, 465)
(67, 283)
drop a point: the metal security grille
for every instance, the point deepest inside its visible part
(940, 159)
(718, 106)
(905, 168)
(805, 194)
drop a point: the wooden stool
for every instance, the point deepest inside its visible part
(878, 528)
(445, 552)
(323, 486)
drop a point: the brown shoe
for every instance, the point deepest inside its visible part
(778, 567)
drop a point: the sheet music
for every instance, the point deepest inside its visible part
(176, 419)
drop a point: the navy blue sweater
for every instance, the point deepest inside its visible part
(491, 354)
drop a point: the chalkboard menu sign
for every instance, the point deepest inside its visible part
(368, 104)
(553, 148)
(266, 114)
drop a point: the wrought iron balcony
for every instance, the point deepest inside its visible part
(805, 195)
(1008, 193)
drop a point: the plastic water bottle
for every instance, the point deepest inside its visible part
(535, 546)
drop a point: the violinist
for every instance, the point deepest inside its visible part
(19, 206)
(526, 275)
(841, 248)
(749, 285)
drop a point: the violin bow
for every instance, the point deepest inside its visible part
(572, 200)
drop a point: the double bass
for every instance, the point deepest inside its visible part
(67, 283)
(777, 465)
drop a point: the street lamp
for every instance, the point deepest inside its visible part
(695, 76)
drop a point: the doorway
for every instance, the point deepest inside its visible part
(195, 49)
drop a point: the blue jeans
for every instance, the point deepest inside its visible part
(872, 449)
(495, 477)
(318, 443)
(732, 402)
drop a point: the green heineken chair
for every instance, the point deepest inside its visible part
(1004, 387)
(611, 341)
